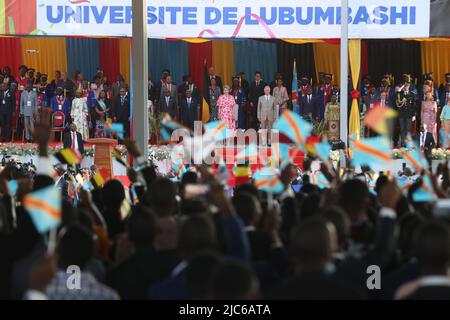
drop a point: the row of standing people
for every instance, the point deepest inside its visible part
(87, 105)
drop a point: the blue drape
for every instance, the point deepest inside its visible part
(252, 55)
(172, 55)
(83, 55)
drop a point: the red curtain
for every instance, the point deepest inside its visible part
(364, 58)
(11, 54)
(110, 58)
(198, 53)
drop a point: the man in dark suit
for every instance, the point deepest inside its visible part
(188, 84)
(189, 110)
(256, 91)
(7, 108)
(167, 105)
(212, 75)
(309, 105)
(73, 140)
(121, 110)
(426, 140)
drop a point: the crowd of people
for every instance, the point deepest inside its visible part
(89, 105)
(244, 104)
(162, 239)
(257, 104)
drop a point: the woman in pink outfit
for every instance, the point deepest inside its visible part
(429, 115)
(226, 103)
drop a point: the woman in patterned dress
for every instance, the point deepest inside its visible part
(79, 114)
(226, 103)
(429, 114)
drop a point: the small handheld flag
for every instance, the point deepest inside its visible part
(323, 150)
(97, 180)
(370, 151)
(425, 192)
(68, 156)
(415, 159)
(248, 154)
(217, 130)
(267, 179)
(117, 128)
(44, 207)
(409, 142)
(118, 156)
(295, 105)
(293, 126)
(377, 117)
(279, 155)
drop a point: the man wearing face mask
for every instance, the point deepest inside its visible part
(28, 109)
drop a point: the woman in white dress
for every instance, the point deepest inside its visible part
(79, 114)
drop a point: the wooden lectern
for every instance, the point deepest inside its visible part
(103, 154)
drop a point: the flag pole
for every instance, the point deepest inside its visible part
(344, 76)
(51, 246)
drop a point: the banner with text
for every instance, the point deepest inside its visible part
(301, 19)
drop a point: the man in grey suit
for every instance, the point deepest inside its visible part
(167, 105)
(267, 112)
(28, 109)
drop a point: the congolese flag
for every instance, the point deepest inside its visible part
(68, 156)
(295, 106)
(267, 179)
(279, 155)
(248, 154)
(293, 126)
(370, 151)
(217, 130)
(415, 159)
(44, 207)
(425, 193)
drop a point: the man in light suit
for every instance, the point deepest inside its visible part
(189, 110)
(267, 112)
(167, 105)
(28, 109)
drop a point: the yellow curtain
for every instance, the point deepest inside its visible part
(223, 60)
(45, 55)
(302, 41)
(327, 59)
(427, 39)
(124, 50)
(195, 40)
(436, 59)
(354, 53)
